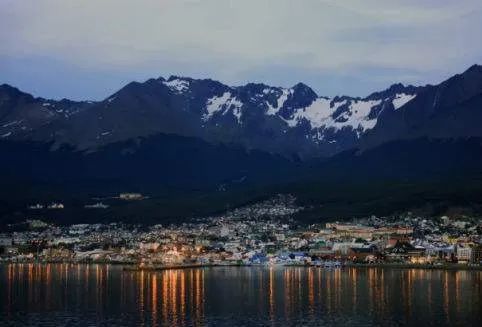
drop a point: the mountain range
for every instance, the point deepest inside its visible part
(182, 138)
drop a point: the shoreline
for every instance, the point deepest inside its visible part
(186, 266)
(452, 267)
(129, 266)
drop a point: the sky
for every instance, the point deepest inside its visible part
(88, 49)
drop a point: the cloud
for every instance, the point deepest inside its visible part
(230, 40)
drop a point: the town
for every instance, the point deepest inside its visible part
(264, 233)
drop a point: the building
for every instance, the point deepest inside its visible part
(55, 205)
(464, 253)
(477, 254)
(363, 254)
(404, 252)
(130, 196)
(5, 240)
(150, 246)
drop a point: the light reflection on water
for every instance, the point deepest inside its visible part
(62, 294)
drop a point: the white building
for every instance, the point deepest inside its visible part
(464, 253)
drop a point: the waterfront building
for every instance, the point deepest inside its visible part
(404, 252)
(477, 254)
(464, 253)
(363, 254)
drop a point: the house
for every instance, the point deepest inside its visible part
(300, 257)
(343, 248)
(361, 254)
(396, 238)
(321, 250)
(258, 258)
(404, 251)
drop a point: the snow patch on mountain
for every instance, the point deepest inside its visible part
(279, 102)
(401, 99)
(237, 113)
(177, 85)
(357, 117)
(321, 114)
(223, 103)
(318, 113)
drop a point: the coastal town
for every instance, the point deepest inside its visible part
(263, 233)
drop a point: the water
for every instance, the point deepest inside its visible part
(84, 295)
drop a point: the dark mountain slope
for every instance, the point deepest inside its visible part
(22, 116)
(430, 174)
(183, 176)
(448, 110)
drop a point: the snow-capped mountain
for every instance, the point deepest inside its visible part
(298, 119)
(287, 121)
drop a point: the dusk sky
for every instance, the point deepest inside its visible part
(89, 49)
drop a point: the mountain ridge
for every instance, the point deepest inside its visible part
(288, 121)
(293, 122)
